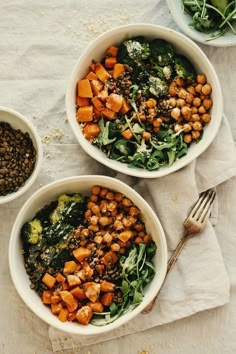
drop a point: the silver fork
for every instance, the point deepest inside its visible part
(194, 224)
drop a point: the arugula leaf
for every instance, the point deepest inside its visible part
(103, 137)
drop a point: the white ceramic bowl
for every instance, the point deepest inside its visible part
(18, 121)
(182, 20)
(183, 45)
(83, 185)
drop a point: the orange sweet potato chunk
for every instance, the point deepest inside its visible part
(85, 114)
(81, 253)
(82, 101)
(101, 72)
(114, 102)
(49, 280)
(84, 315)
(118, 70)
(90, 131)
(84, 88)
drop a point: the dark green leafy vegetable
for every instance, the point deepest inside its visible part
(184, 68)
(162, 52)
(213, 17)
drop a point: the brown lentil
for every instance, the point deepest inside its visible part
(17, 158)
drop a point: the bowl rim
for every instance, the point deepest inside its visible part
(194, 34)
(38, 147)
(122, 167)
(14, 238)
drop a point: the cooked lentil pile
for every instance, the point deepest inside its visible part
(17, 158)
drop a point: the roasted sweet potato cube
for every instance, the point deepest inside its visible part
(110, 62)
(114, 102)
(84, 315)
(56, 308)
(91, 130)
(112, 51)
(118, 70)
(91, 76)
(127, 134)
(107, 299)
(101, 72)
(63, 315)
(108, 113)
(103, 95)
(109, 258)
(72, 316)
(81, 253)
(107, 287)
(46, 297)
(96, 86)
(96, 306)
(92, 290)
(78, 293)
(55, 299)
(125, 107)
(73, 306)
(125, 235)
(70, 267)
(82, 101)
(49, 280)
(67, 297)
(73, 280)
(85, 114)
(84, 88)
(97, 103)
(60, 278)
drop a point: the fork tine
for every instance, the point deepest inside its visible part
(207, 208)
(197, 205)
(203, 205)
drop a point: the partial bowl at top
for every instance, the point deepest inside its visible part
(181, 45)
(19, 140)
(183, 20)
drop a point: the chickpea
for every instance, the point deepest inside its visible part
(206, 89)
(201, 79)
(95, 209)
(186, 112)
(194, 110)
(115, 247)
(90, 205)
(177, 127)
(202, 110)
(187, 138)
(156, 129)
(127, 222)
(147, 136)
(120, 216)
(88, 214)
(147, 239)
(118, 197)
(141, 234)
(172, 91)
(182, 93)
(138, 240)
(114, 212)
(112, 205)
(103, 206)
(94, 220)
(133, 211)
(195, 118)
(179, 81)
(77, 232)
(107, 238)
(197, 102)
(82, 244)
(151, 103)
(104, 221)
(198, 88)
(122, 250)
(207, 103)
(103, 192)
(195, 134)
(94, 228)
(110, 196)
(91, 245)
(172, 102)
(197, 126)
(95, 190)
(187, 127)
(126, 202)
(142, 117)
(98, 239)
(118, 225)
(191, 90)
(180, 102)
(157, 122)
(93, 198)
(138, 226)
(152, 112)
(189, 98)
(206, 118)
(85, 232)
(175, 113)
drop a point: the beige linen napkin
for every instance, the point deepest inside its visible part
(199, 280)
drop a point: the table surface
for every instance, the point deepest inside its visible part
(39, 44)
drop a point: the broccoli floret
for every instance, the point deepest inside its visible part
(64, 202)
(164, 72)
(157, 87)
(184, 68)
(44, 214)
(133, 51)
(162, 52)
(31, 232)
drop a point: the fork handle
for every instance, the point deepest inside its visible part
(170, 265)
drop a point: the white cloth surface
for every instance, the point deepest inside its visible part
(39, 44)
(199, 280)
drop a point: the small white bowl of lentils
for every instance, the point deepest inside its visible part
(20, 154)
